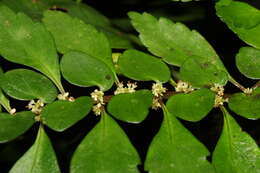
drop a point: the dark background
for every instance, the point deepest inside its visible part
(197, 15)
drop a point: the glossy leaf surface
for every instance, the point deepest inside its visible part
(192, 106)
(3, 100)
(140, 66)
(29, 43)
(174, 42)
(12, 126)
(175, 149)
(73, 34)
(62, 114)
(26, 84)
(40, 158)
(247, 106)
(89, 15)
(84, 70)
(131, 107)
(236, 151)
(202, 73)
(242, 19)
(105, 149)
(248, 62)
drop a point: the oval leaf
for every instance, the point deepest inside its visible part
(193, 106)
(175, 149)
(140, 66)
(12, 126)
(202, 73)
(73, 34)
(25, 84)
(62, 114)
(26, 42)
(104, 146)
(248, 62)
(247, 106)
(131, 107)
(84, 70)
(174, 42)
(236, 151)
(40, 158)
(246, 24)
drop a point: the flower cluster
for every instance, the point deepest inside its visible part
(130, 88)
(219, 98)
(183, 87)
(97, 96)
(158, 90)
(35, 107)
(65, 96)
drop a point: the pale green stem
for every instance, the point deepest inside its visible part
(173, 83)
(256, 85)
(238, 85)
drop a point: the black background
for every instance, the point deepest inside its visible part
(224, 41)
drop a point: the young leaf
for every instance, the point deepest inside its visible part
(26, 84)
(175, 149)
(140, 66)
(247, 106)
(236, 151)
(26, 42)
(245, 24)
(62, 114)
(193, 106)
(73, 34)
(12, 126)
(40, 158)
(105, 149)
(248, 62)
(202, 73)
(131, 107)
(174, 42)
(84, 70)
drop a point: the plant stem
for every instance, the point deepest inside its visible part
(256, 85)
(238, 85)
(173, 83)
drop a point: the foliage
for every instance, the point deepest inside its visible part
(63, 41)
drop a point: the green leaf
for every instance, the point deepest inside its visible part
(30, 8)
(192, 106)
(3, 100)
(40, 158)
(25, 84)
(245, 105)
(62, 114)
(105, 149)
(84, 70)
(248, 62)
(246, 24)
(174, 42)
(12, 126)
(131, 107)
(202, 73)
(175, 149)
(73, 34)
(140, 66)
(85, 13)
(89, 15)
(236, 151)
(26, 42)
